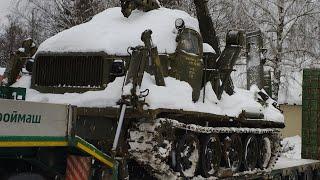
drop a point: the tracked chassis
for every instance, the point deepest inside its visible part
(173, 148)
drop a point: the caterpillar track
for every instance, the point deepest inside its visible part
(167, 148)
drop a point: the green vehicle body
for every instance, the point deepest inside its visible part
(73, 72)
(78, 72)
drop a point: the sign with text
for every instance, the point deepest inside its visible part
(21, 118)
(14, 93)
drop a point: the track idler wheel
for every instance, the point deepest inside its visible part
(188, 154)
(265, 152)
(210, 155)
(233, 152)
(251, 153)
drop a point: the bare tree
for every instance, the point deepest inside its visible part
(63, 14)
(277, 19)
(10, 40)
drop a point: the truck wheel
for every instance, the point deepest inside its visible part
(188, 155)
(250, 153)
(210, 155)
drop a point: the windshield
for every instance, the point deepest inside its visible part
(189, 43)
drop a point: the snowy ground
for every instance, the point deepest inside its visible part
(291, 147)
(291, 153)
(286, 162)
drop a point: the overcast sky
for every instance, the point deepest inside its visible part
(5, 6)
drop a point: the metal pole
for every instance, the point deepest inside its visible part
(116, 138)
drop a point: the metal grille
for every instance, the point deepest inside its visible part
(69, 71)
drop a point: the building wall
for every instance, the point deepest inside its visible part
(293, 120)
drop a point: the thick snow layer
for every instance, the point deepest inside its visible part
(175, 95)
(291, 147)
(112, 33)
(104, 98)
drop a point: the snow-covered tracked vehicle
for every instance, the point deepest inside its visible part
(147, 89)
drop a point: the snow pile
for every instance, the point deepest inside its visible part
(105, 98)
(175, 95)
(178, 95)
(112, 33)
(291, 147)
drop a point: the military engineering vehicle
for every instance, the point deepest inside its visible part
(148, 90)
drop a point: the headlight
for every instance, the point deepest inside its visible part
(179, 24)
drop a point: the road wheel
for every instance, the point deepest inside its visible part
(233, 152)
(265, 152)
(210, 155)
(250, 153)
(188, 155)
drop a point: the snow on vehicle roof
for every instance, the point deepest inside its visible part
(112, 33)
